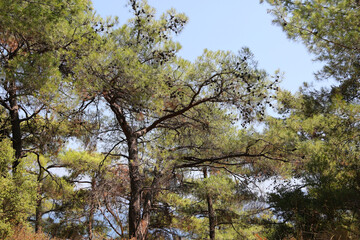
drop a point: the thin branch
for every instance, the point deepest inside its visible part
(45, 169)
(4, 104)
(113, 215)
(58, 166)
(196, 161)
(319, 37)
(143, 131)
(108, 220)
(109, 154)
(32, 115)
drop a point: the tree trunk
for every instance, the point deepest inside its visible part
(91, 221)
(15, 125)
(211, 212)
(137, 227)
(38, 214)
(147, 206)
(92, 209)
(143, 226)
(39, 211)
(138, 224)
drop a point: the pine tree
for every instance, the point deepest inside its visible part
(153, 94)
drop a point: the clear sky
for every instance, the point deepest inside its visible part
(231, 25)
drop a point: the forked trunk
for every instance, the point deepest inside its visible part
(138, 219)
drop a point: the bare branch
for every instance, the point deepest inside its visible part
(32, 115)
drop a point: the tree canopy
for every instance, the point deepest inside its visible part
(105, 132)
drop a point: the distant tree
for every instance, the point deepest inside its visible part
(33, 38)
(225, 203)
(321, 125)
(323, 201)
(36, 42)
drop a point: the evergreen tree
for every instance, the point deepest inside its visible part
(330, 30)
(36, 42)
(154, 94)
(321, 125)
(323, 202)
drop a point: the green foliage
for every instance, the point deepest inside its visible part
(170, 113)
(17, 194)
(320, 126)
(325, 156)
(169, 120)
(39, 42)
(34, 37)
(330, 30)
(187, 210)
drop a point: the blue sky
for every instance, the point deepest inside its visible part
(231, 25)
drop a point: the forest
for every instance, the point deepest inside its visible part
(107, 133)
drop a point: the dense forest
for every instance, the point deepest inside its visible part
(106, 133)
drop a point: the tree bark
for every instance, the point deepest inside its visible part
(143, 225)
(39, 211)
(15, 125)
(137, 228)
(38, 214)
(92, 209)
(211, 212)
(139, 216)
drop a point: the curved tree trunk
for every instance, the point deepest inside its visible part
(139, 218)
